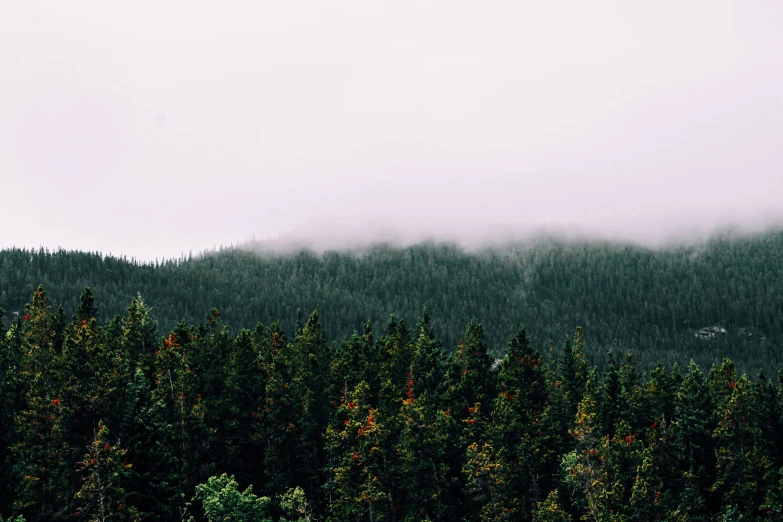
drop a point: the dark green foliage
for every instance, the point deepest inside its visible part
(103, 419)
(655, 302)
(103, 469)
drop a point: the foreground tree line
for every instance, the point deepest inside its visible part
(112, 422)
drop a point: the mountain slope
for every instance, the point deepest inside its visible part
(655, 303)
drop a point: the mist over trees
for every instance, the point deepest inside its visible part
(720, 298)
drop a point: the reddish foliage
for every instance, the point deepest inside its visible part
(171, 341)
(628, 439)
(471, 421)
(731, 385)
(26, 317)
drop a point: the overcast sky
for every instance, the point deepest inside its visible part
(154, 128)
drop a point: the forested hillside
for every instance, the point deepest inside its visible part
(655, 303)
(117, 422)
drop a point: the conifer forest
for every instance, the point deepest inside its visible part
(543, 381)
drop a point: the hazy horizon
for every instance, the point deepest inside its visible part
(151, 130)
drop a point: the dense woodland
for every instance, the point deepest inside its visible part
(652, 302)
(112, 421)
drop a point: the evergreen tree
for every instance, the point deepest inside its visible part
(12, 400)
(469, 394)
(519, 453)
(312, 358)
(102, 496)
(39, 453)
(741, 466)
(287, 460)
(425, 427)
(358, 487)
(244, 401)
(550, 510)
(692, 432)
(83, 364)
(584, 469)
(573, 373)
(177, 413)
(656, 488)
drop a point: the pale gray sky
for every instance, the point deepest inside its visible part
(154, 128)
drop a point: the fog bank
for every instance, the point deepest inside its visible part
(152, 129)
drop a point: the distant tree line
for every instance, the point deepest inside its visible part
(111, 421)
(653, 302)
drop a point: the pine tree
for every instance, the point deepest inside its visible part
(83, 362)
(39, 456)
(584, 468)
(42, 475)
(244, 401)
(633, 408)
(102, 496)
(313, 356)
(656, 488)
(177, 413)
(469, 374)
(149, 485)
(610, 401)
(139, 334)
(692, 432)
(469, 394)
(287, 460)
(12, 401)
(550, 510)
(573, 372)
(741, 466)
(423, 440)
(517, 452)
(356, 459)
